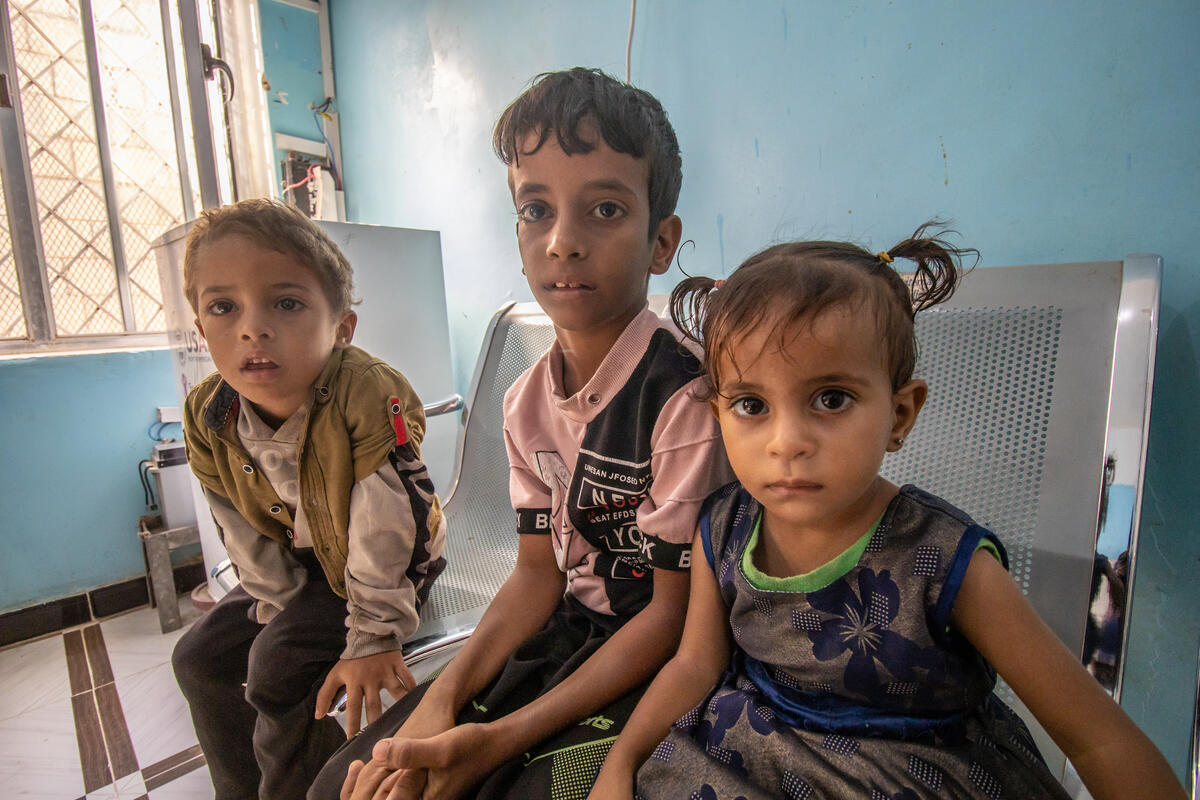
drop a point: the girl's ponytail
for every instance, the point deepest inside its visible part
(689, 301)
(939, 266)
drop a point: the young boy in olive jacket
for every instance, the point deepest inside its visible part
(307, 449)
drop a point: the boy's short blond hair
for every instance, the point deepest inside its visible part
(274, 226)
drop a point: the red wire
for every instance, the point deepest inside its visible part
(307, 178)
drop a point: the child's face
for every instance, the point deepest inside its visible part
(806, 429)
(269, 325)
(583, 228)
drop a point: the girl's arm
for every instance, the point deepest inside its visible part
(1113, 757)
(685, 680)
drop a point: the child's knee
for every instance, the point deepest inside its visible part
(192, 660)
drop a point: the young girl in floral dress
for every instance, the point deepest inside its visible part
(844, 634)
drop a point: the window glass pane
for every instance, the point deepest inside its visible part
(141, 136)
(12, 319)
(61, 133)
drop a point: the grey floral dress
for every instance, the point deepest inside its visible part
(860, 689)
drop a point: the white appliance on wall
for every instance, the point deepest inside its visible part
(401, 319)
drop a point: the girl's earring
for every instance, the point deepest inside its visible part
(899, 442)
(522, 270)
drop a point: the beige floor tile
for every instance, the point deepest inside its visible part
(39, 757)
(35, 674)
(156, 714)
(195, 785)
(135, 643)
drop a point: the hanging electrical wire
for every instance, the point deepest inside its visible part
(322, 112)
(147, 489)
(308, 177)
(629, 41)
(155, 431)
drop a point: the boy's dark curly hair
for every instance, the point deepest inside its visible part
(575, 104)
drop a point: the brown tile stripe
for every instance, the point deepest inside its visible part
(97, 654)
(156, 779)
(105, 746)
(92, 756)
(171, 761)
(77, 666)
(116, 733)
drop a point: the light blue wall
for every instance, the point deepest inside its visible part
(1049, 132)
(72, 430)
(291, 46)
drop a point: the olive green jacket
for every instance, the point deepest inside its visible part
(352, 429)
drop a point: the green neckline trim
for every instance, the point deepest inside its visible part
(818, 578)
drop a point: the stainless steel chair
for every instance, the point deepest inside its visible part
(1038, 410)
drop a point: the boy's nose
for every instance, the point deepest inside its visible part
(566, 240)
(255, 326)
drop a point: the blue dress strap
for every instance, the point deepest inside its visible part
(726, 520)
(967, 545)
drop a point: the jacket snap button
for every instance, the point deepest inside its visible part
(593, 398)
(290, 534)
(276, 509)
(323, 391)
(246, 468)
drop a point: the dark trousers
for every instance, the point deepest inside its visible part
(562, 766)
(260, 740)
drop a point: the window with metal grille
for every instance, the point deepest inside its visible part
(93, 154)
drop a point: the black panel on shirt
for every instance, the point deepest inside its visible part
(612, 475)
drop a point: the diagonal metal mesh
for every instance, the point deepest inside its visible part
(141, 139)
(12, 321)
(64, 156)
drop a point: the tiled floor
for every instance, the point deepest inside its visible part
(95, 713)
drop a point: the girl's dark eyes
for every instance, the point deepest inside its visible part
(748, 406)
(219, 307)
(290, 304)
(833, 400)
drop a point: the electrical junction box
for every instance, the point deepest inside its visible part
(172, 484)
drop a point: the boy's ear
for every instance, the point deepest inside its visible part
(345, 330)
(666, 241)
(906, 405)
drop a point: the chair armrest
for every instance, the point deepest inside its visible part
(452, 403)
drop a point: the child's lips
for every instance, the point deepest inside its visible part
(569, 286)
(257, 363)
(793, 486)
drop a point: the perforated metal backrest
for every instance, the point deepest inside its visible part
(1019, 366)
(481, 543)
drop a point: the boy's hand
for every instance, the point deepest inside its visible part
(376, 779)
(373, 781)
(444, 767)
(364, 679)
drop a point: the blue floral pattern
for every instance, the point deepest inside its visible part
(864, 649)
(854, 626)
